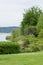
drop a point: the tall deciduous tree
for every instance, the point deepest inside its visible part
(30, 18)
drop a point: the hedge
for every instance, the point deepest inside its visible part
(9, 47)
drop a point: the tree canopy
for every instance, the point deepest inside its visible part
(30, 18)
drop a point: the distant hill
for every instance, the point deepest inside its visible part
(7, 29)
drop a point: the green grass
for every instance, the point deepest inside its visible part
(22, 59)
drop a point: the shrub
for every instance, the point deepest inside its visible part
(40, 34)
(8, 37)
(25, 41)
(32, 39)
(34, 47)
(40, 44)
(9, 47)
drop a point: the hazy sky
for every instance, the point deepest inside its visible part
(11, 11)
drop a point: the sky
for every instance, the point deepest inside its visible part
(11, 11)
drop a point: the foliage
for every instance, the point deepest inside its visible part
(9, 47)
(40, 34)
(31, 39)
(34, 47)
(30, 18)
(32, 44)
(40, 23)
(14, 35)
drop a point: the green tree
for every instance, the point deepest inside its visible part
(15, 34)
(30, 18)
(40, 23)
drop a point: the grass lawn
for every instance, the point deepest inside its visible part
(22, 59)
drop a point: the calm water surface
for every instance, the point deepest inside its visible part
(3, 36)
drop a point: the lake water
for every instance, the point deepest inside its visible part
(3, 36)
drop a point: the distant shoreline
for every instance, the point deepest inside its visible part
(7, 29)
